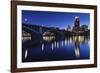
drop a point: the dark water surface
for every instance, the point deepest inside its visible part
(69, 48)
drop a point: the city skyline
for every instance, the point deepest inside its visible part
(54, 19)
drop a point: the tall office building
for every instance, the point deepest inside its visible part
(76, 24)
(77, 21)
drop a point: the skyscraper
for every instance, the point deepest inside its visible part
(76, 24)
(77, 21)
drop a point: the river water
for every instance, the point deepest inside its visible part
(69, 48)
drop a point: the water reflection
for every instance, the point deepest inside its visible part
(26, 53)
(42, 47)
(52, 46)
(77, 40)
(69, 48)
(67, 42)
(48, 38)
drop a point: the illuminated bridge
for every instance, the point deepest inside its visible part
(34, 35)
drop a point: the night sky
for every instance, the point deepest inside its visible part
(54, 19)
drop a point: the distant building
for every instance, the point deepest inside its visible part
(84, 28)
(77, 21)
(68, 28)
(76, 24)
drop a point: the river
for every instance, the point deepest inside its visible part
(69, 48)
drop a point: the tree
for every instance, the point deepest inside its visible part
(84, 27)
(68, 28)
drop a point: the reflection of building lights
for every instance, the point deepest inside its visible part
(52, 46)
(57, 44)
(70, 40)
(26, 52)
(77, 52)
(65, 42)
(42, 47)
(68, 43)
(62, 43)
(79, 38)
(74, 38)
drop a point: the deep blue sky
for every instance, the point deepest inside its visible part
(54, 19)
